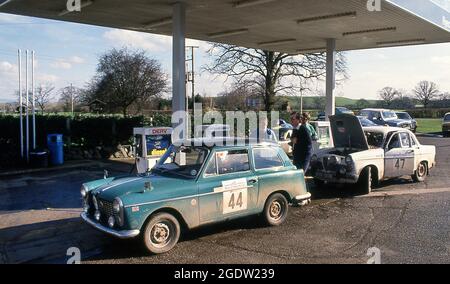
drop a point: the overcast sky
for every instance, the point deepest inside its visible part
(67, 53)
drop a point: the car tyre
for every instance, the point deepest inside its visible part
(421, 172)
(365, 181)
(275, 210)
(161, 233)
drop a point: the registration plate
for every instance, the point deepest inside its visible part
(158, 152)
(324, 175)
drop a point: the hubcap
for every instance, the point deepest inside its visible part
(422, 170)
(276, 210)
(160, 234)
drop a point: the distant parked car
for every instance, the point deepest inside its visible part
(341, 110)
(365, 122)
(385, 117)
(338, 110)
(446, 125)
(406, 116)
(284, 124)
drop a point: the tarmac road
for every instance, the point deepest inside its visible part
(408, 222)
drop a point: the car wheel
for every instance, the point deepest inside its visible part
(421, 172)
(275, 210)
(161, 233)
(365, 181)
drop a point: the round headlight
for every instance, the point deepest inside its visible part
(111, 222)
(117, 205)
(97, 215)
(94, 200)
(83, 191)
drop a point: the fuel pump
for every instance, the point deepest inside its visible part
(150, 145)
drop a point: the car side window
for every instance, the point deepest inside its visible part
(234, 161)
(395, 142)
(267, 158)
(413, 142)
(211, 169)
(406, 141)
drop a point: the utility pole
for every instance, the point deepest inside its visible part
(71, 96)
(191, 78)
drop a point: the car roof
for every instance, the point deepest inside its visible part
(377, 109)
(384, 129)
(225, 142)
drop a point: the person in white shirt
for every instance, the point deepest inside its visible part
(263, 133)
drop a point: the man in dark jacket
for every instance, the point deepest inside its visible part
(301, 141)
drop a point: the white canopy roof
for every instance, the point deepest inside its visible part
(292, 26)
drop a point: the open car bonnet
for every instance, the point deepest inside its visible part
(347, 132)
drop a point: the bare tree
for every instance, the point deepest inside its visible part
(43, 95)
(126, 77)
(269, 71)
(69, 96)
(388, 95)
(425, 92)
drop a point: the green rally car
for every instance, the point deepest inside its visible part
(202, 183)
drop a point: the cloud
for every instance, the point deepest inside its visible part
(61, 64)
(77, 60)
(47, 78)
(149, 42)
(154, 43)
(67, 63)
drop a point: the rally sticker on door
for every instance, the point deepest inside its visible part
(234, 195)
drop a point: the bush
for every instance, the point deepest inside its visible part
(83, 131)
(428, 113)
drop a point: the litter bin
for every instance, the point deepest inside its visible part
(39, 159)
(55, 145)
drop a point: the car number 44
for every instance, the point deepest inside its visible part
(234, 201)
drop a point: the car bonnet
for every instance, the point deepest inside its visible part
(347, 132)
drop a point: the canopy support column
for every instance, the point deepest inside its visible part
(179, 58)
(331, 78)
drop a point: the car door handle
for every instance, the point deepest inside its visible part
(253, 180)
(410, 152)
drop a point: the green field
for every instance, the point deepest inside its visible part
(429, 125)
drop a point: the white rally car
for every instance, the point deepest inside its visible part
(366, 156)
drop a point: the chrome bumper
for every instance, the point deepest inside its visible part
(302, 200)
(119, 234)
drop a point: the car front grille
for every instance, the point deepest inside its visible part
(106, 209)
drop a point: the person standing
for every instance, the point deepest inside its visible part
(263, 133)
(301, 141)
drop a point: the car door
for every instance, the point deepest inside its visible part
(228, 186)
(269, 168)
(399, 157)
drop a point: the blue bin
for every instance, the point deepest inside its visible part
(55, 145)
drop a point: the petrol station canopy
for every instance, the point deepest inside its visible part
(291, 26)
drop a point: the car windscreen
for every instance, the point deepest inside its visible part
(389, 115)
(402, 115)
(184, 161)
(374, 139)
